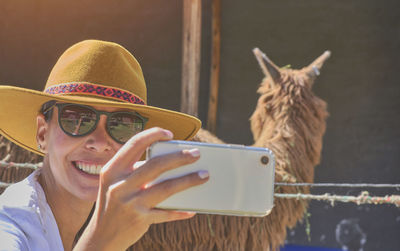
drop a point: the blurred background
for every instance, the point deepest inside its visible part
(360, 83)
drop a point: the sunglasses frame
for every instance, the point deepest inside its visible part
(60, 107)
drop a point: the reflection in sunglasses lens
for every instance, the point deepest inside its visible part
(122, 126)
(77, 120)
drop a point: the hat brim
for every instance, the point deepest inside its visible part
(19, 108)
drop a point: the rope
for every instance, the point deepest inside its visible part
(4, 184)
(5, 164)
(338, 185)
(363, 198)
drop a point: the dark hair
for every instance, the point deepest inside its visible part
(47, 109)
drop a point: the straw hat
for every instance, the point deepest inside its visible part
(91, 72)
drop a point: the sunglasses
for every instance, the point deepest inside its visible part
(80, 120)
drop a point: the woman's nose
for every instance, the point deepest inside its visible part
(99, 140)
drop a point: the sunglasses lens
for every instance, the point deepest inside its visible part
(122, 126)
(77, 120)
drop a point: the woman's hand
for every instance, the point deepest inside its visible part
(125, 207)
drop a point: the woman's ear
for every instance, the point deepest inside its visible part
(41, 133)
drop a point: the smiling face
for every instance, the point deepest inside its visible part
(72, 164)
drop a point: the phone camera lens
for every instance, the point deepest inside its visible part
(264, 160)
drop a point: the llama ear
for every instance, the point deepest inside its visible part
(314, 68)
(267, 66)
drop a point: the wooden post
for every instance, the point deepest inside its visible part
(215, 66)
(191, 56)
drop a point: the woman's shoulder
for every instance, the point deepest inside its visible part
(24, 194)
(23, 220)
(24, 204)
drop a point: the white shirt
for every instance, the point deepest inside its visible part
(26, 220)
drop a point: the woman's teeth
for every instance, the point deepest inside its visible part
(89, 168)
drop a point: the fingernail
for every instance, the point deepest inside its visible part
(169, 134)
(203, 174)
(194, 152)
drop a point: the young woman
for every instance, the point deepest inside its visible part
(92, 124)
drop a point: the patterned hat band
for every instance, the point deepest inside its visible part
(95, 90)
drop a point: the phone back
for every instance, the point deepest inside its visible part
(241, 179)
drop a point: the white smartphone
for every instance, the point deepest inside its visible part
(241, 179)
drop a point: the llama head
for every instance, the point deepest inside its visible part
(287, 100)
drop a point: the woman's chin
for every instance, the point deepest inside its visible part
(89, 195)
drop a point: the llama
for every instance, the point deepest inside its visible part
(290, 120)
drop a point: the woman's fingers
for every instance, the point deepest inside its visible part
(158, 165)
(161, 191)
(131, 152)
